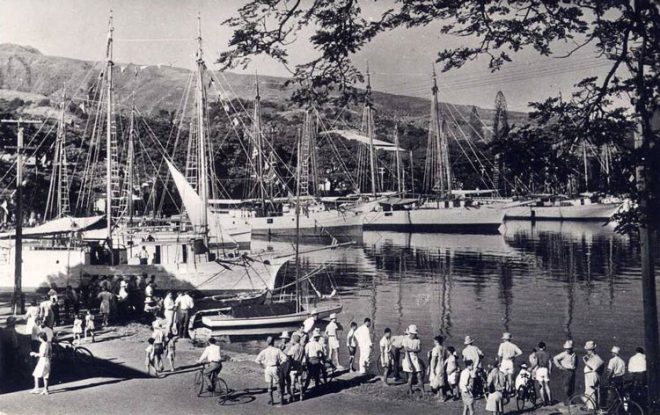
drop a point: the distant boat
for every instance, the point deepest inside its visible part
(549, 207)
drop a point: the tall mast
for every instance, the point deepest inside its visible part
(57, 204)
(200, 101)
(108, 198)
(399, 181)
(130, 156)
(442, 168)
(370, 133)
(258, 142)
(298, 170)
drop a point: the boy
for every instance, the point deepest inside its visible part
(451, 369)
(351, 342)
(386, 353)
(465, 386)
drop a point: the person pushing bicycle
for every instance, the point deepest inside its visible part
(212, 357)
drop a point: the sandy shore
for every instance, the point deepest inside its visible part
(119, 384)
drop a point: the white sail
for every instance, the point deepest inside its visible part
(195, 207)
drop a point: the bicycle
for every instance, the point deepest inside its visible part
(618, 402)
(64, 350)
(217, 389)
(526, 393)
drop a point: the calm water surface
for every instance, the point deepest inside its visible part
(544, 282)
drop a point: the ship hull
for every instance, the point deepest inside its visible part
(43, 268)
(597, 212)
(427, 219)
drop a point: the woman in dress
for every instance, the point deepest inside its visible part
(77, 329)
(89, 325)
(412, 365)
(42, 370)
(106, 297)
(437, 366)
(32, 326)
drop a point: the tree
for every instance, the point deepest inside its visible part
(625, 32)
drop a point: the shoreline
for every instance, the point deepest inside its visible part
(123, 386)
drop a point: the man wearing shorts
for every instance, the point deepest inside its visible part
(465, 386)
(386, 353)
(270, 359)
(351, 344)
(507, 353)
(543, 369)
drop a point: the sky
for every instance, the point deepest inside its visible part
(150, 32)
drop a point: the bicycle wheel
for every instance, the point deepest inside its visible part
(221, 390)
(198, 385)
(83, 355)
(628, 407)
(580, 404)
(520, 398)
(532, 396)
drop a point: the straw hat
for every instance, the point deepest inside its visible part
(412, 329)
(616, 349)
(523, 365)
(468, 340)
(317, 332)
(285, 335)
(590, 345)
(506, 336)
(568, 344)
(333, 316)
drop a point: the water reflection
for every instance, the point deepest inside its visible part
(543, 282)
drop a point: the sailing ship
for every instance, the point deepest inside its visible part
(441, 211)
(586, 207)
(182, 261)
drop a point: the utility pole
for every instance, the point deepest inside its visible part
(18, 306)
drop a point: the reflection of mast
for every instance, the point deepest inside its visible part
(506, 283)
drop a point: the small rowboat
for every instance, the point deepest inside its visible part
(216, 302)
(242, 320)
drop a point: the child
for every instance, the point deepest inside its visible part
(77, 328)
(386, 353)
(171, 349)
(89, 325)
(149, 357)
(351, 342)
(451, 369)
(523, 376)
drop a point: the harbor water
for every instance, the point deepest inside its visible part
(547, 281)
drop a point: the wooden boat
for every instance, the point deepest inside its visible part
(244, 320)
(221, 301)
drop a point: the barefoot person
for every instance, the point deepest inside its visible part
(386, 353)
(411, 363)
(351, 344)
(542, 373)
(270, 359)
(437, 366)
(42, 370)
(507, 353)
(465, 385)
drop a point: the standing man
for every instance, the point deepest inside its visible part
(271, 358)
(333, 341)
(566, 361)
(396, 343)
(543, 369)
(363, 337)
(475, 355)
(637, 367)
(310, 322)
(314, 358)
(593, 366)
(616, 369)
(46, 312)
(184, 304)
(169, 310)
(507, 354)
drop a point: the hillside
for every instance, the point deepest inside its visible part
(158, 87)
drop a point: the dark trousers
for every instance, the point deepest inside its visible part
(313, 372)
(183, 321)
(283, 377)
(396, 356)
(569, 383)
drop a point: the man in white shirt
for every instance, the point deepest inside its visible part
(593, 367)
(314, 357)
(212, 357)
(184, 304)
(465, 386)
(310, 322)
(270, 359)
(507, 354)
(363, 337)
(333, 341)
(637, 367)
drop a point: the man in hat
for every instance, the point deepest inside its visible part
(295, 353)
(593, 366)
(566, 361)
(314, 358)
(270, 359)
(473, 354)
(310, 322)
(284, 340)
(363, 337)
(333, 341)
(411, 362)
(507, 354)
(616, 369)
